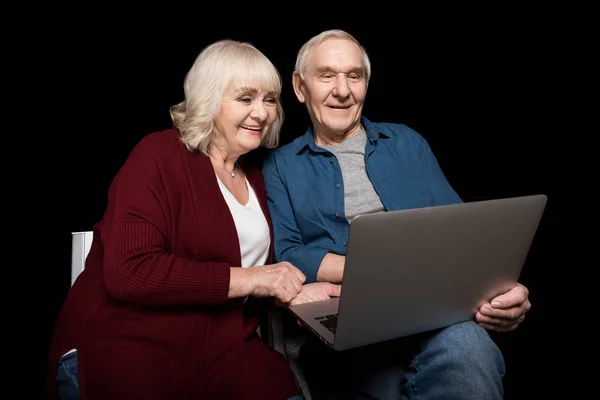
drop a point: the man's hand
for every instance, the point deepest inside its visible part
(316, 291)
(506, 311)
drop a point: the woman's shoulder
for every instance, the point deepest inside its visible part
(156, 141)
(157, 145)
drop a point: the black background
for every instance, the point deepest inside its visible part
(481, 93)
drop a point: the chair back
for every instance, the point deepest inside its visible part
(80, 247)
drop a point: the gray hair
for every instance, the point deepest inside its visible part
(221, 66)
(308, 47)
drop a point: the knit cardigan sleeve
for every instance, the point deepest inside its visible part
(138, 232)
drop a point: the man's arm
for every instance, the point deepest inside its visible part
(331, 268)
(288, 243)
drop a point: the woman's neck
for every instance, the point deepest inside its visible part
(220, 159)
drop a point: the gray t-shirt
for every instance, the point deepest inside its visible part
(359, 195)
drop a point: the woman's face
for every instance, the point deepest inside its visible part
(245, 117)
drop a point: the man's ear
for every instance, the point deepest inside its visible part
(297, 83)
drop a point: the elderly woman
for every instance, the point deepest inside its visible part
(181, 264)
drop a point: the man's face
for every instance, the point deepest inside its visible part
(333, 88)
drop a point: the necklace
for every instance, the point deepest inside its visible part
(232, 173)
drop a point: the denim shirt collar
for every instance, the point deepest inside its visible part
(308, 139)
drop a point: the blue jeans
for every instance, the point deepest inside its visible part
(67, 379)
(457, 362)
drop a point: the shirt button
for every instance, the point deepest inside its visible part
(337, 186)
(331, 160)
(337, 214)
(345, 244)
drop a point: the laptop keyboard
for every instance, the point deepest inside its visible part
(328, 321)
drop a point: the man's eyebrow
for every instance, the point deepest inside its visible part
(356, 69)
(324, 68)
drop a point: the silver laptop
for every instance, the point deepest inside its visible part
(411, 271)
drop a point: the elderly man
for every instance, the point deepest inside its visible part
(345, 165)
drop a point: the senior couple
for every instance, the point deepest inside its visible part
(195, 242)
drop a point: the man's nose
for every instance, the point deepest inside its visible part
(341, 88)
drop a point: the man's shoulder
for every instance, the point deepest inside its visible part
(291, 147)
(286, 150)
(400, 134)
(395, 129)
(284, 159)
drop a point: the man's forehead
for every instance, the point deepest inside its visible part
(336, 53)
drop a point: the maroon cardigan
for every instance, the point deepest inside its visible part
(149, 315)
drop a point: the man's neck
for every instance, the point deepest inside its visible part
(332, 138)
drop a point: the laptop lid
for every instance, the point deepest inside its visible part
(410, 271)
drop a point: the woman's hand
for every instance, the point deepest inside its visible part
(282, 281)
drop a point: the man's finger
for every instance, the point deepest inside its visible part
(335, 290)
(514, 297)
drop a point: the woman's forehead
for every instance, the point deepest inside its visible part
(252, 87)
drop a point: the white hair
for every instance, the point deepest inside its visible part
(222, 66)
(308, 47)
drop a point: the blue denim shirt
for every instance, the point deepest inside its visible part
(305, 190)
